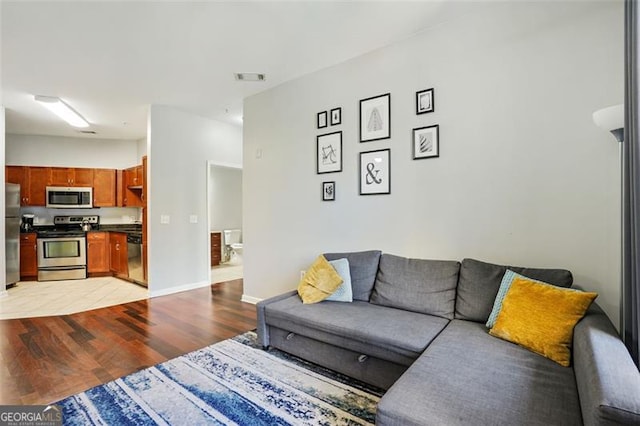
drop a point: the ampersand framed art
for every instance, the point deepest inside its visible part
(375, 172)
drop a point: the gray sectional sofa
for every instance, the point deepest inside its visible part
(416, 328)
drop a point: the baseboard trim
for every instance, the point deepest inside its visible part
(250, 299)
(178, 289)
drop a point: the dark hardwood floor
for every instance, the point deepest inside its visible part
(45, 359)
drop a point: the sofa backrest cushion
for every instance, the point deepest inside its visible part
(424, 286)
(480, 281)
(363, 266)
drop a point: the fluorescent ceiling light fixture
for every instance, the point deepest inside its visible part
(62, 110)
(250, 76)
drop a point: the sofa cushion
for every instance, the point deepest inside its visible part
(363, 266)
(466, 377)
(358, 326)
(541, 318)
(344, 293)
(319, 282)
(424, 286)
(479, 283)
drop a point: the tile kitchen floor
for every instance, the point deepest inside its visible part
(226, 272)
(45, 298)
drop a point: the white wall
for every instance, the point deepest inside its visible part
(225, 198)
(180, 144)
(141, 149)
(56, 151)
(524, 176)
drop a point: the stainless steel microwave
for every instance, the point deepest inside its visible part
(60, 197)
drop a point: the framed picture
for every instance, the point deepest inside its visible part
(322, 119)
(375, 118)
(328, 191)
(426, 142)
(425, 101)
(329, 159)
(336, 116)
(375, 172)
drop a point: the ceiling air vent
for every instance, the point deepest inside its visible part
(250, 76)
(87, 132)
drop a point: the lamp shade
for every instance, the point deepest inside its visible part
(610, 118)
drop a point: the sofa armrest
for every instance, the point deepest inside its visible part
(608, 380)
(262, 330)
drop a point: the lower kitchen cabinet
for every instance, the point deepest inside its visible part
(97, 253)
(118, 254)
(28, 256)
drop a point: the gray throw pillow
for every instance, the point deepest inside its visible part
(363, 266)
(480, 282)
(417, 285)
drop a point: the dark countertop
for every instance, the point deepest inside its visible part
(125, 228)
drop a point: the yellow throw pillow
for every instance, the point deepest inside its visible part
(541, 317)
(319, 282)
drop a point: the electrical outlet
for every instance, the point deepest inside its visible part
(302, 272)
(193, 218)
(164, 219)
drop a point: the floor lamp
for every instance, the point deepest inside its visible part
(611, 119)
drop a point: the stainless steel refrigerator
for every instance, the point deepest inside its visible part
(12, 233)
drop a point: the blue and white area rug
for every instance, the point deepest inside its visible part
(229, 383)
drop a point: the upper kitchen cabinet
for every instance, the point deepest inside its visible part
(132, 186)
(64, 176)
(104, 188)
(32, 181)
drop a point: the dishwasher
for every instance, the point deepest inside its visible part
(134, 258)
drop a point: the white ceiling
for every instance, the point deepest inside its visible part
(109, 59)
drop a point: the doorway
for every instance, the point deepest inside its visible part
(224, 191)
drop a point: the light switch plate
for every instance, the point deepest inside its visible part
(164, 219)
(193, 218)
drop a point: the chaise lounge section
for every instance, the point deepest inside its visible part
(416, 328)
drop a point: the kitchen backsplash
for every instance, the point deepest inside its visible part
(108, 215)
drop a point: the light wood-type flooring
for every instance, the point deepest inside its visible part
(45, 359)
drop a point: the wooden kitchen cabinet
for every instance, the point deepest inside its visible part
(104, 188)
(19, 175)
(118, 254)
(28, 256)
(132, 188)
(38, 178)
(33, 182)
(216, 248)
(66, 176)
(98, 253)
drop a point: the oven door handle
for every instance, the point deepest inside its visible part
(61, 268)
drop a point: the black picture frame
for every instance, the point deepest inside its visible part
(329, 191)
(375, 172)
(426, 142)
(375, 118)
(329, 153)
(425, 101)
(335, 116)
(321, 120)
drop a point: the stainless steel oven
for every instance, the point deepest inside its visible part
(62, 258)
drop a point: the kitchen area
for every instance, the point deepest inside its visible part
(70, 228)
